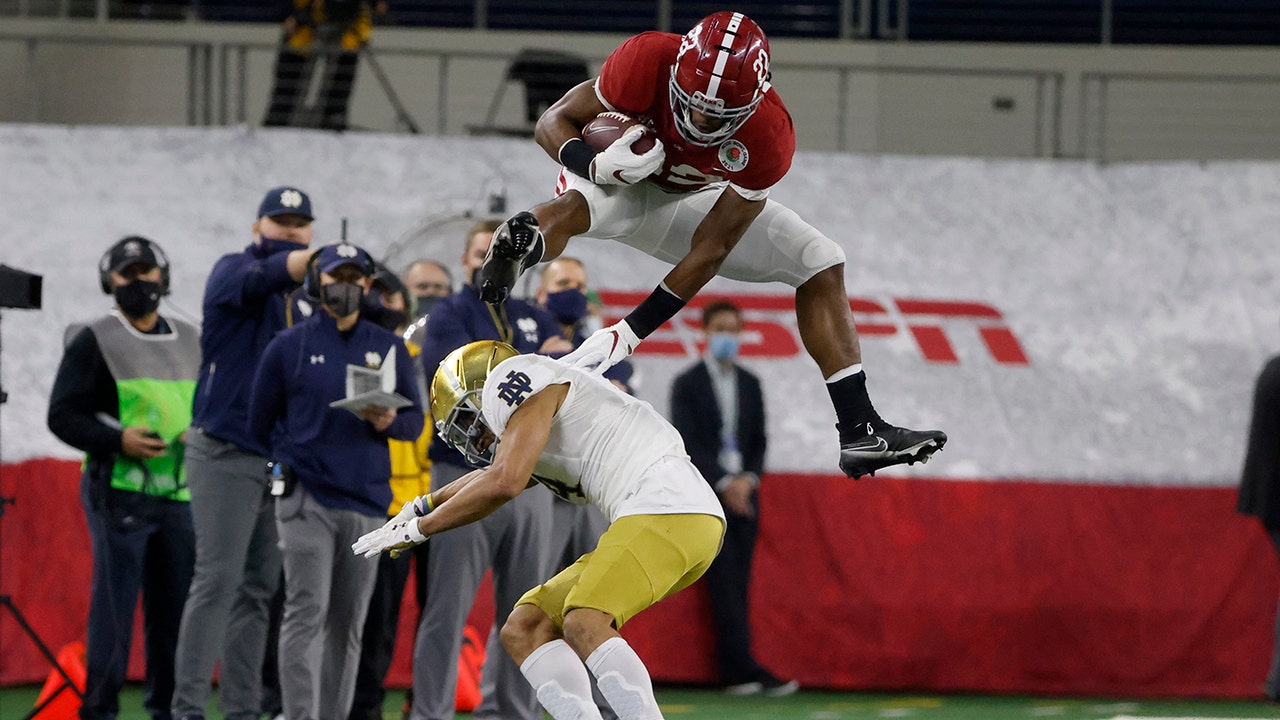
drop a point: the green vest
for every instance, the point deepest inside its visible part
(156, 382)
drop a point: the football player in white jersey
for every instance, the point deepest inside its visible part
(528, 419)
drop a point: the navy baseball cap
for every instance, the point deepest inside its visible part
(335, 256)
(285, 200)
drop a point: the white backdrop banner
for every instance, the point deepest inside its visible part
(1060, 320)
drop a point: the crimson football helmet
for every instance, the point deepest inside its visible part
(721, 73)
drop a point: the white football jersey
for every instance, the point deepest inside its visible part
(601, 443)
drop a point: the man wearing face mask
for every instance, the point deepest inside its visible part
(515, 541)
(563, 294)
(237, 559)
(333, 467)
(123, 395)
(718, 408)
(427, 281)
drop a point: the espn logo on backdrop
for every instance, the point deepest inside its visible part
(769, 326)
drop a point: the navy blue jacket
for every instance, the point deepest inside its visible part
(338, 457)
(462, 318)
(244, 308)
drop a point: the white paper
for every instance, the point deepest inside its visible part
(367, 387)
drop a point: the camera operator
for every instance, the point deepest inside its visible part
(123, 395)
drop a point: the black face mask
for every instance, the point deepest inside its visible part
(392, 320)
(138, 299)
(567, 306)
(342, 298)
(425, 303)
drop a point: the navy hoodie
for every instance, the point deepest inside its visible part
(244, 308)
(338, 457)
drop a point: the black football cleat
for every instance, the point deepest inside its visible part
(516, 245)
(887, 445)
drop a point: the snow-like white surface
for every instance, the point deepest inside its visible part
(1145, 296)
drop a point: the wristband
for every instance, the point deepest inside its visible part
(430, 503)
(659, 307)
(576, 156)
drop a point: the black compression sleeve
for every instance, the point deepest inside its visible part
(659, 307)
(577, 156)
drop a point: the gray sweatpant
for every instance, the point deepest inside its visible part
(327, 589)
(516, 542)
(237, 571)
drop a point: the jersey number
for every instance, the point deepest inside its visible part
(689, 175)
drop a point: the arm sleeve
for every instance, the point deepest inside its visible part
(243, 283)
(82, 388)
(267, 399)
(408, 423)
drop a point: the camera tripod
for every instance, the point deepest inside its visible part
(6, 602)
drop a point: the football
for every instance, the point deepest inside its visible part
(609, 126)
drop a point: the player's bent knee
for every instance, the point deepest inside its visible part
(586, 628)
(527, 628)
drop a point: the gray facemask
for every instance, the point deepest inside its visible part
(342, 298)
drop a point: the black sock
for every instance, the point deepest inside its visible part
(853, 405)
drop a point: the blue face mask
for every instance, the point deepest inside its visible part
(723, 346)
(271, 246)
(567, 306)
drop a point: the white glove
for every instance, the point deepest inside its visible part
(618, 164)
(414, 508)
(395, 536)
(605, 348)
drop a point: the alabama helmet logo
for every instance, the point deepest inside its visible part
(733, 155)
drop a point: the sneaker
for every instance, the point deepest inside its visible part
(516, 245)
(888, 445)
(746, 688)
(777, 688)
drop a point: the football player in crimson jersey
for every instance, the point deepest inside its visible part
(699, 199)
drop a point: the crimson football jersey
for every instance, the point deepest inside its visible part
(634, 81)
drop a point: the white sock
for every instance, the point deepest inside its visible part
(624, 681)
(853, 369)
(561, 681)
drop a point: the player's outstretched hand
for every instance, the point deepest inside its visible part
(395, 536)
(618, 164)
(605, 348)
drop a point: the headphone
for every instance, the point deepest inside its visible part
(104, 265)
(311, 279)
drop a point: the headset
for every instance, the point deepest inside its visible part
(162, 262)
